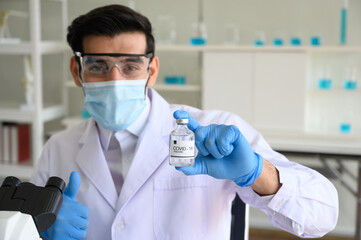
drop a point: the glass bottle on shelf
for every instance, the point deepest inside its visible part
(199, 31)
(165, 29)
(199, 34)
(325, 80)
(260, 38)
(350, 82)
(231, 34)
(346, 123)
(278, 39)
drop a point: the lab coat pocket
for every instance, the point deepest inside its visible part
(181, 208)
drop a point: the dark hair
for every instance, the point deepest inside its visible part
(110, 21)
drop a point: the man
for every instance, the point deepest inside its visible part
(122, 186)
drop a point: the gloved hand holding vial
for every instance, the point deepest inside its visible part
(224, 153)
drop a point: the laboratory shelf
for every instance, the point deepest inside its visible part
(177, 88)
(11, 112)
(46, 47)
(53, 112)
(249, 48)
(334, 92)
(22, 171)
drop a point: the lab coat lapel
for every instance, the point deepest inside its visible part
(152, 148)
(92, 161)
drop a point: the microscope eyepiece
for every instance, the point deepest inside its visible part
(11, 182)
(56, 182)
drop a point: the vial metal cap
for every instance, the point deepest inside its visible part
(182, 121)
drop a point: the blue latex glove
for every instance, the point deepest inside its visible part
(223, 153)
(72, 220)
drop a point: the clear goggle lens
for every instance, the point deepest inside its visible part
(94, 67)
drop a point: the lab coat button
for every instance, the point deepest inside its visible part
(120, 225)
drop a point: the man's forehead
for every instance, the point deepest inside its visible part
(132, 43)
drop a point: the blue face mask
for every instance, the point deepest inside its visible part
(115, 105)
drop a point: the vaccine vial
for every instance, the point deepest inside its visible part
(181, 145)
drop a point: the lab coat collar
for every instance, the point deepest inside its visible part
(92, 162)
(151, 150)
(146, 159)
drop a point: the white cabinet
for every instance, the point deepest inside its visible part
(227, 82)
(41, 113)
(279, 91)
(274, 88)
(266, 89)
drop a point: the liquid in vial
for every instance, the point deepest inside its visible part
(181, 145)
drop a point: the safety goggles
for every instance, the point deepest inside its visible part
(96, 66)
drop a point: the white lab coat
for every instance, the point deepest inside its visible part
(159, 202)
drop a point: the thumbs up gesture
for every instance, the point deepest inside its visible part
(72, 220)
(224, 153)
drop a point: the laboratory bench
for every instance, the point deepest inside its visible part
(325, 148)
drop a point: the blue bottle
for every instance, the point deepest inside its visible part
(260, 39)
(278, 42)
(350, 82)
(295, 41)
(258, 42)
(325, 80)
(199, 35)
(343, 23)
(324, 83)
(315, 41)
(345, 128)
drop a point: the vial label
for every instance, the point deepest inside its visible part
(182, 148)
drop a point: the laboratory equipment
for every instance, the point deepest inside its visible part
(72, 220)
(315, 40)
(325, 80)
(199, 34)
(345, 127)
(347, 119)
(175, 79)
(181, 145)
(260, 38)
(199, 31)
(26, 209)
(231, 34)
(165, 29)
(278, 39)
(343, 29)
(28, 84)
(5, 35)
(295, 41)
(350, 82)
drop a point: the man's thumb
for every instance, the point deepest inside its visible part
(72, 188)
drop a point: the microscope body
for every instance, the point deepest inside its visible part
(26, 209)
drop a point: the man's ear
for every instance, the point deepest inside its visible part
(74, 69)
(153, 71)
